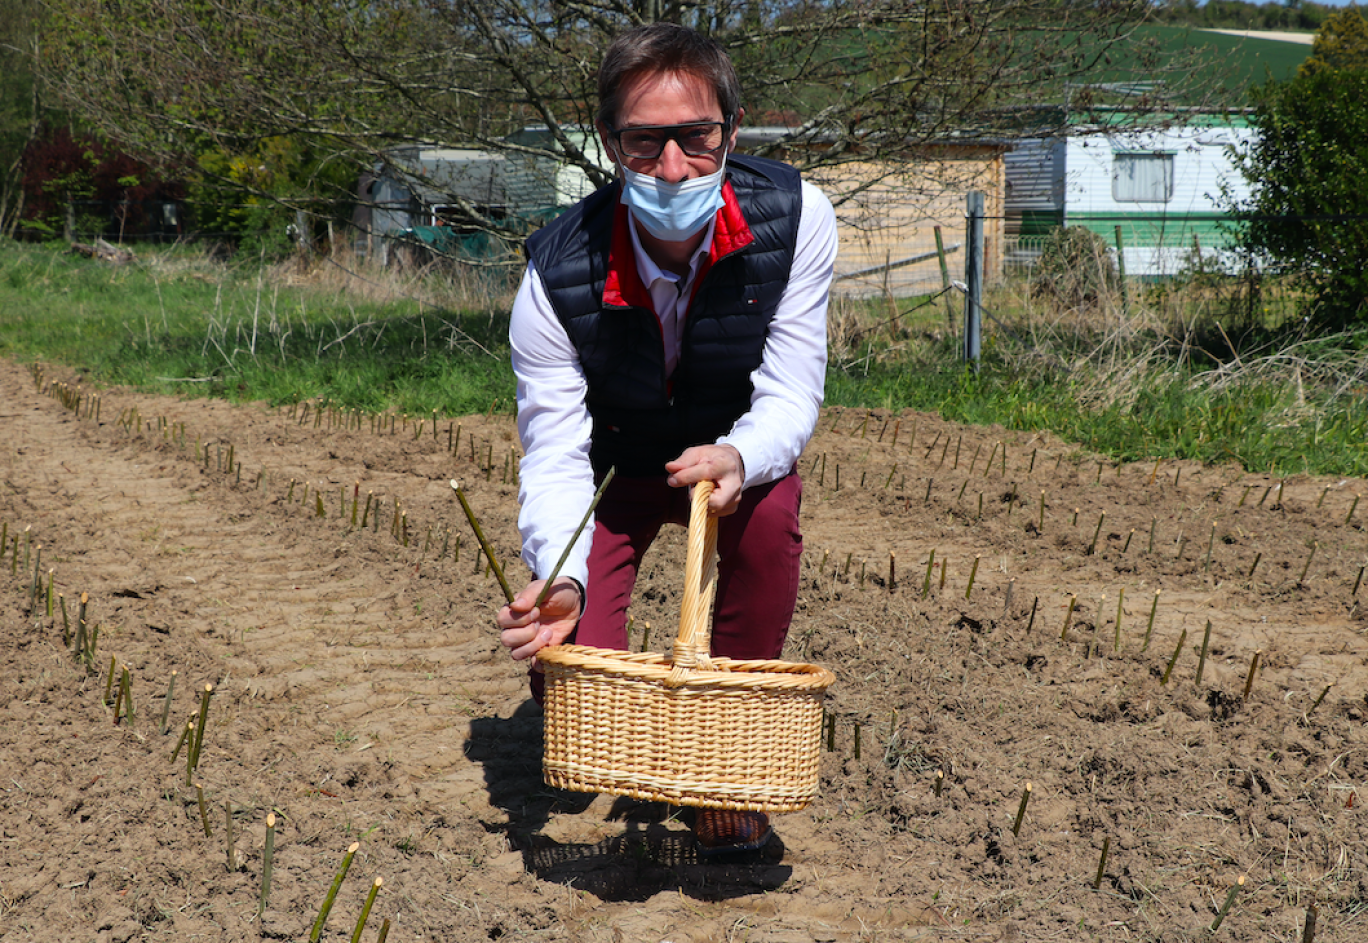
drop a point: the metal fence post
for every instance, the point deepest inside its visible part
(973, 278)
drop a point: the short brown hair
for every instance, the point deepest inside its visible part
(660, 49)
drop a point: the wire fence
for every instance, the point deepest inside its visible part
(904, 263)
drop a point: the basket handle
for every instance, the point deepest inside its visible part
(692, 645)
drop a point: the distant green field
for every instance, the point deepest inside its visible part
(1252, 61)
(1234, 63)
(1208, 67)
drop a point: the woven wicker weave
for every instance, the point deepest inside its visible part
(687, 729)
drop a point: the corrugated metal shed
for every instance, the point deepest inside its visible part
(1034, 197)
(413, 187)
(542, 184)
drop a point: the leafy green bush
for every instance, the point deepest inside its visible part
(1308, 214)
(248, 198)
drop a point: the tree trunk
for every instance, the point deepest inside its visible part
(11, 188)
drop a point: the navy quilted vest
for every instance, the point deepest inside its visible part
(643, 419)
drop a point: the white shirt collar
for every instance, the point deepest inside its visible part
(646, 266)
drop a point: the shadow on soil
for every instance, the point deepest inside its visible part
(654, 853)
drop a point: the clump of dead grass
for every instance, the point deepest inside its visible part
(435, 282)
(1108, 349)
(863, 330)
(1117, 347)
(342, 274)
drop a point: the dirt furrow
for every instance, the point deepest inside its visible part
(360, 693)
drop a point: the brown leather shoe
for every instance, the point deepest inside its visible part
(724, 831)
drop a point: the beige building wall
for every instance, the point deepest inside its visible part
(887, 214)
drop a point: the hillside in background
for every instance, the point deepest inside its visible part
(1230, 64)
(1236, 14)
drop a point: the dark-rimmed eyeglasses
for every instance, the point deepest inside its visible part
(647, 143)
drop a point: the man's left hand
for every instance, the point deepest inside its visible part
(720, 464)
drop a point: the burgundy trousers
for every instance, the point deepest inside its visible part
(759, 553)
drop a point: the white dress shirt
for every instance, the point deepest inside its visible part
(556, 481)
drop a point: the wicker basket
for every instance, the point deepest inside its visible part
(687, 729)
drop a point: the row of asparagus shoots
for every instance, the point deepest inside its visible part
(818, 471)
(399, 519)
(119, 679)
(399, 526)
(191, 741)
(221, 457)
(86, 404)
(997, 457)
(398, 424)
(842, 571)
(118, 694)
(268, 870)
(131, 419)
(938, 785)
(1098, 623)
(1013, 500)
(192, 737)
(45, 602)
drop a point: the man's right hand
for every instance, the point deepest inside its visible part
(526, 629)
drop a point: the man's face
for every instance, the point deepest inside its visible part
(656, 99)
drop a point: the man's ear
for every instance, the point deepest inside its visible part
(735, 131)
(606, 142)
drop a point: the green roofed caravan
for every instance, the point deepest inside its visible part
(1160, 188)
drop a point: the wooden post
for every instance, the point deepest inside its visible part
(945, 280)
(1121, 267)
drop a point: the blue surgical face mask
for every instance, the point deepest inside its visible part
(673, 211)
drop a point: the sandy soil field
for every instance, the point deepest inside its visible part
(1084, 627)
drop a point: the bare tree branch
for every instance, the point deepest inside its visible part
(868, 83)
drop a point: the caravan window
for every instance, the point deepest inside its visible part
(1142, 178)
